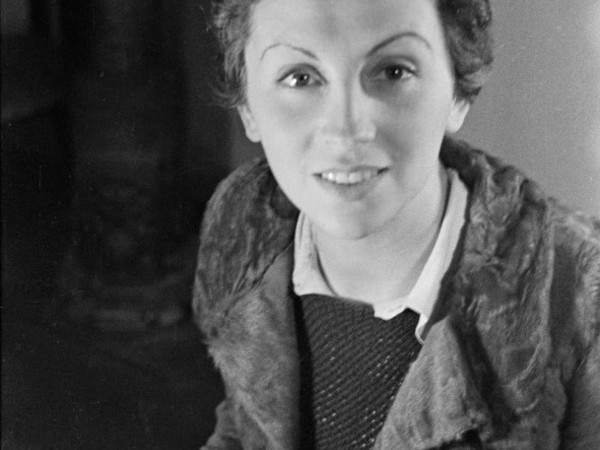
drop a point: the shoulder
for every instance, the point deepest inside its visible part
(576, 268)
(575, 230)
(549, 249)
(504, 195)
(247, 223)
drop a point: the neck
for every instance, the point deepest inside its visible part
(386, 264)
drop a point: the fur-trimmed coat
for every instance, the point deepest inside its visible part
(512, 357)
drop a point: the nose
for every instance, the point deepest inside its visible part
(347, 114)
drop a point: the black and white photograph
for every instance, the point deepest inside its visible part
(300, 224)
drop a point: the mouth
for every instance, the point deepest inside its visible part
(350, 177)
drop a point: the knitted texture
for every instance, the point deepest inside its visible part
(352, 366)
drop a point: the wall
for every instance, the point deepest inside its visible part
(540, 109)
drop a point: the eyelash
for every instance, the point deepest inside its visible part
(310, 78)
(292, 77)
(395, 72)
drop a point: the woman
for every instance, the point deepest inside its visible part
(373, 283)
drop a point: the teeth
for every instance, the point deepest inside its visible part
(349, 177)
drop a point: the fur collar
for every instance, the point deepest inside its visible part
(481, 367)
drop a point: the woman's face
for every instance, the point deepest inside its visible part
(350, 100)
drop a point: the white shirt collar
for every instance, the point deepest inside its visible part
(307, 276)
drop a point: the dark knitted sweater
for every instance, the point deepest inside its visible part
(352, 365)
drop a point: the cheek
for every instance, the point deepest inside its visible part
(284, 123)
(417, 123)
(412, 132)
(285, 136)
(277, 106)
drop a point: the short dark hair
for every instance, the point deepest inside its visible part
(468, 36)
(466, 25)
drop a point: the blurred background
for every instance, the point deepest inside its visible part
(111, 146)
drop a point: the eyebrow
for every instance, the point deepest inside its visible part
(293, 47)
(375, 49)
(399, 36)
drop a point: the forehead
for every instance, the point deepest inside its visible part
(353, 22)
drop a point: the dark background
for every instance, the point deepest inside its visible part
(111, 145)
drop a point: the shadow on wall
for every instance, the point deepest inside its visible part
(541, 107)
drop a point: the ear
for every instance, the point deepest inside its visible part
(457, 115)
(249, 123)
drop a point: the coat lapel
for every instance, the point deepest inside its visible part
(481, 368)
(482, 365)
(438, 401)
(258, 357)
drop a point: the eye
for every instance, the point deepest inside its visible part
(395, 72)
(301, 78)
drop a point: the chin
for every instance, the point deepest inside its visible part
(348, 229)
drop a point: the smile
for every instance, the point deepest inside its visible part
(350, 177)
